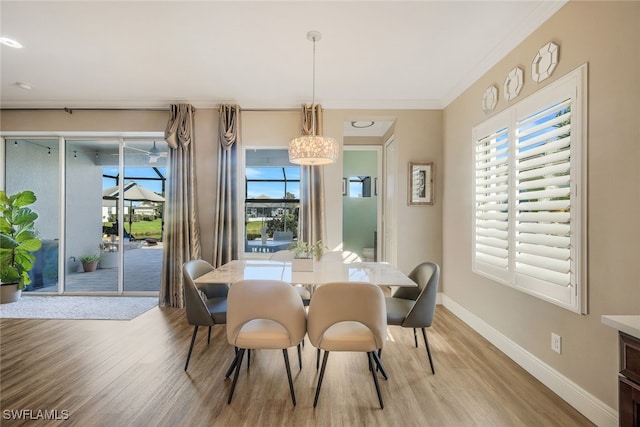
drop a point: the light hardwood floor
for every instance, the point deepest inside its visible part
(117, 373)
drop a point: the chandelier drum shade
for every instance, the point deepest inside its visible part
(313, 149)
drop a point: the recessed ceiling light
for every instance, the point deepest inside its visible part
(362, 124)
(10, 42)
(23, 85)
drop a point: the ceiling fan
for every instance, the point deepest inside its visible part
(153, 154)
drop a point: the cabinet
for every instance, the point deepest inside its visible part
(629, 381)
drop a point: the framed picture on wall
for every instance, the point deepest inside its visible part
(420, 189)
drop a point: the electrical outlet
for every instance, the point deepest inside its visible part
(556, 343)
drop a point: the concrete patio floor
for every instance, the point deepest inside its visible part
(142, 267)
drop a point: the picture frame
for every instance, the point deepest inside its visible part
(420, 186)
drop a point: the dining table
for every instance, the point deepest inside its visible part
(377, 273)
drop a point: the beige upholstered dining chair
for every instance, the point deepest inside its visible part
(205, 305)
(287, 255)
(348, 317)
(415, 307)
(264, 314)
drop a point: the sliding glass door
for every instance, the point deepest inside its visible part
(110, 196)
(33, 164)
(94, 260)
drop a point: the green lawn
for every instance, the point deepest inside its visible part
(144, 229)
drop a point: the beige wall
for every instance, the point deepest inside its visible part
(605, 35)
(418, 134)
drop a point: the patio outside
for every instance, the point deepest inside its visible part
(142, 267)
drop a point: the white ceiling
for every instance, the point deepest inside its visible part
(145, 54)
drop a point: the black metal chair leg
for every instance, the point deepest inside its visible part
(375, 380)
(248, 359)
(317, 359)
(426, 344)
(324, 365)
(239, 356)
(299, 356)
(286, 364)
(233, 365)
(379, 365)
(415, 337)
(193, 340)
(209, 336)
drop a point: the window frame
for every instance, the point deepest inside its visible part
(573, 297)
(244, 200)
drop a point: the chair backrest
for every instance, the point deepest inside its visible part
(283, 255)
(354, 301)
(427, 276)
(196, 309)
(274, 300)
(342, 256)
(282, 235)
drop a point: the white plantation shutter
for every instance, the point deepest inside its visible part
(492, 202)
(530, 207)
(543, 195)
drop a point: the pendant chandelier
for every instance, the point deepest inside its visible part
(313, 149)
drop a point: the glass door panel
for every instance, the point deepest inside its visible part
(143, 193)
(91, 216)
(32, 164)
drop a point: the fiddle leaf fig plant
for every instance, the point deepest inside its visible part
(18, 237)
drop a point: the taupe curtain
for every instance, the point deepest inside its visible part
(312, 213)
(225, 233)
(181, 238)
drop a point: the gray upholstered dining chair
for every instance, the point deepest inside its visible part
(265, 314)
(415, 307)
(205, 305)
(287, 255)
(348, 317)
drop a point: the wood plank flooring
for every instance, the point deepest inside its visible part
(116, 373)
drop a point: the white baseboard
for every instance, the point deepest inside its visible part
(588, 405)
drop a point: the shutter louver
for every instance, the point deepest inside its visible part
(492, 200)
(543, 195)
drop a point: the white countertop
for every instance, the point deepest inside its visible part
(629, 324)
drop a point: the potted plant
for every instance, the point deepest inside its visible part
(108, 255)
(304, 254)
(90, 262)
(18, 239)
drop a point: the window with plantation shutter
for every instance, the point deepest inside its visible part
(529, 228)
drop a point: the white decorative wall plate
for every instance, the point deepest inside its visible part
(545, 62)
(490, 99)
(513, 83)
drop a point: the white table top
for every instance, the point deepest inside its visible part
(629, 324)
(377, 273)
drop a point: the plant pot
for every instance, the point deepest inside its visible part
(109, 260)
(9, 292)
(88, 267)
(302, 264)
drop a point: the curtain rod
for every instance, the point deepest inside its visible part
(268, 109)
(70, 110)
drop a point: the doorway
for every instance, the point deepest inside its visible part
(361, 204)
